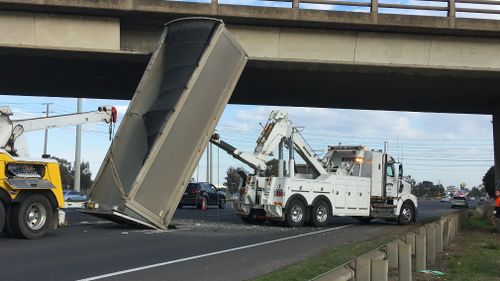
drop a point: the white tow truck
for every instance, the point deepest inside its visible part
(349, 181)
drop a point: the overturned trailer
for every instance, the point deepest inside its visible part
(168, 124)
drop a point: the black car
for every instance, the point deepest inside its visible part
(196, 191)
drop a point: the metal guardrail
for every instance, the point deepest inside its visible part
(484, 9)
(412, 251)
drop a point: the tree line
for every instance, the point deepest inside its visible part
(67, 171)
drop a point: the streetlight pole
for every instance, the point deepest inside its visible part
(78, 147)
(46, 138)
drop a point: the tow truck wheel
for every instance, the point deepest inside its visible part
(320, 214)
(2, 216)
(32, 217)
(295, 214)
(406, 214)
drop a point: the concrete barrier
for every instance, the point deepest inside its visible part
(410, 239)
(379, 270)
(420, 250)
(404, 261)
(392, 254)
(431, 243)
(439, 237)
(362, 264)
(422, 244)
(342, 273)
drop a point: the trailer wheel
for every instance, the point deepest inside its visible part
(31, 218)
(295, 213)
(2, 216)
(320, 214)
(406, 214)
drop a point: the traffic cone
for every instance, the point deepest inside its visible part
(204, 204)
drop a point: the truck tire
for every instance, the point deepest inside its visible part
(2, 216)
(406, 214)
(31, 218)
(320, 214)
(295, 213)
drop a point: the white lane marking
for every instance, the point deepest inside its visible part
(211, 254)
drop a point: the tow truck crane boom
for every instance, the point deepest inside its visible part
(247, 158)
(277, 129)
(10, 130)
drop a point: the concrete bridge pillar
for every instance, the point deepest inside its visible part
(496, 144)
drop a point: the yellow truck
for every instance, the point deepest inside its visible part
(30, 189)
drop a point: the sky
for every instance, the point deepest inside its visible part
(443, 148)
(288, 4)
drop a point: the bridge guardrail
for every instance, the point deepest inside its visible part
(484, 9)
(414, 250)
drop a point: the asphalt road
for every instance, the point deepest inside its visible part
(206, 245)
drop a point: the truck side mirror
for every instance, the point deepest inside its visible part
(400, 175)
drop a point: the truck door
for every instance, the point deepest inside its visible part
(391, 180)
(339, 195)
(351, 194)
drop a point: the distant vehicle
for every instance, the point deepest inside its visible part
(74, 196)
(196, 191)
(459, 201)
(483, 199)
(445, 199)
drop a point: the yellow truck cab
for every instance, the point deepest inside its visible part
(30, 195)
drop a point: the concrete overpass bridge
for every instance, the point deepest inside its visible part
(383, 57)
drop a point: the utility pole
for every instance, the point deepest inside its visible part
(209, 163)
(76, 184)
(46, 139)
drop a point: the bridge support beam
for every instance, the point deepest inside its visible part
(496, 145)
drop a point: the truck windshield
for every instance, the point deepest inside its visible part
(390, 170)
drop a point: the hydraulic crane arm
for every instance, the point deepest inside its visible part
(10, 130)
(106, 114)
(307, 153)
(278, 128)
(247, 158)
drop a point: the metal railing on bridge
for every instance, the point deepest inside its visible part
(484, 9)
